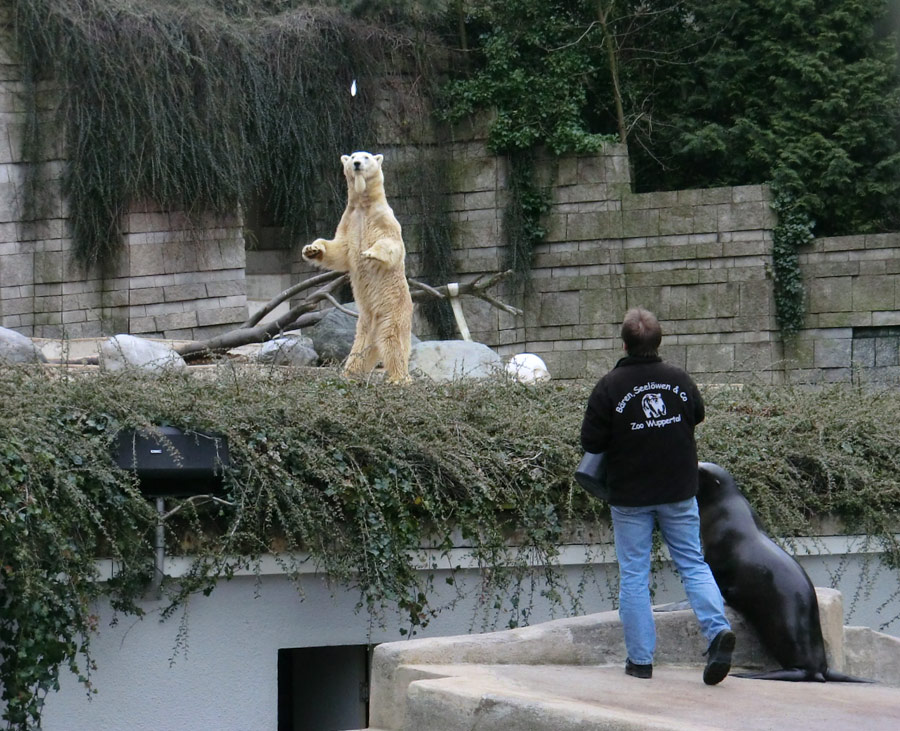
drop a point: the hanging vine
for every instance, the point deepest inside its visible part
(195, 108)
(308, 475)
(522, 217)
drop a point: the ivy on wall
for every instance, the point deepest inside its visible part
(731, 92)
(522, 217)
(793, 231)
(530, 75)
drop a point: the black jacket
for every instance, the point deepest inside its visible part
(642, 414)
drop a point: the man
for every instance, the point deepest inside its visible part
(642, 414)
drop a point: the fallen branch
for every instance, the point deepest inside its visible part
(307, 312)
(291, 320)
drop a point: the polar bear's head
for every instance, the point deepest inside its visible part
(361, 168)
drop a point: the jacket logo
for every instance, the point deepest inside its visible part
(653, 405)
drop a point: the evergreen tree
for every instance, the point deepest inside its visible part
(798, 93)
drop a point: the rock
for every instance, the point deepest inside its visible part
(527, 368)
(447, 360)
(332, 337)
(128, 351)
(17, 348)
(295, 350)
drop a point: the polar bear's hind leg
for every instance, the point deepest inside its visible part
(393, 340)
(363, 355)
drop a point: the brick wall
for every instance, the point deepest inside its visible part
(183, 275)
(176, 277)
(700, 259)
(852, 328)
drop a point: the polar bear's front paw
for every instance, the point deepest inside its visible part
(372, 253)
(313, 251)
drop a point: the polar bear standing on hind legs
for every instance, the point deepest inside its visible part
(369, 245)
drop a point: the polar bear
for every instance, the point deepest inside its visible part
(369, 245)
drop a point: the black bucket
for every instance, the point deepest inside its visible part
(591, 475)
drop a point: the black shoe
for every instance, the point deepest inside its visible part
(638, 671)
(719, 661)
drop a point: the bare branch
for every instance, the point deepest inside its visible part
(196, 499)
(291, 292)
(307, 312)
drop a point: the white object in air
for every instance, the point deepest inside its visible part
(353, 88)
(527, 368)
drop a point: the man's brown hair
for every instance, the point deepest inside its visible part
(641, 332)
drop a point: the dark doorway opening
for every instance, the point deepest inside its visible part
(323, 688)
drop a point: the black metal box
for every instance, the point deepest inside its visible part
(172, 462)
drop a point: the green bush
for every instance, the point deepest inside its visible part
(358, 476)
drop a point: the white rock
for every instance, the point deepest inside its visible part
(128, 351)
(527, 368)
(17, 348)
(448, 360)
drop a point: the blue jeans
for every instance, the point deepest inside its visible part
(679, 524)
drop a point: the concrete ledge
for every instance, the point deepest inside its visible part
(444, 683)
(600, 698)
(871, 654)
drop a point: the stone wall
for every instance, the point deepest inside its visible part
(177, 277)
(183, 275)
(700, 259)
(852, 328)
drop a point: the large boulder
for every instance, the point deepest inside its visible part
(127, 351)
(17, 348)
(332, 336)
(448, 360)
(295, 350)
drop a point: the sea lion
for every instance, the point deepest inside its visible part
(762, 582)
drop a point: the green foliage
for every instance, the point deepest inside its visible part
(522, 218)
(793, 230)
(62, 504)
(359, 477)
(198, 109)
(355, 475)
(724, 93)
(532, 73)
(802, 454)
(801, 94)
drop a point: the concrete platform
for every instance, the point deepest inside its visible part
(568, 675)
(570, 698)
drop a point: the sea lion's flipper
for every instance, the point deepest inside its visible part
(832, 676)
(793, 675)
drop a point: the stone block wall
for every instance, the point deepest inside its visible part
(183, 275)
(700, 259)
(177, 276)
(852, 326)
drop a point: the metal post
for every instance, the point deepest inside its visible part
(160, 544)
